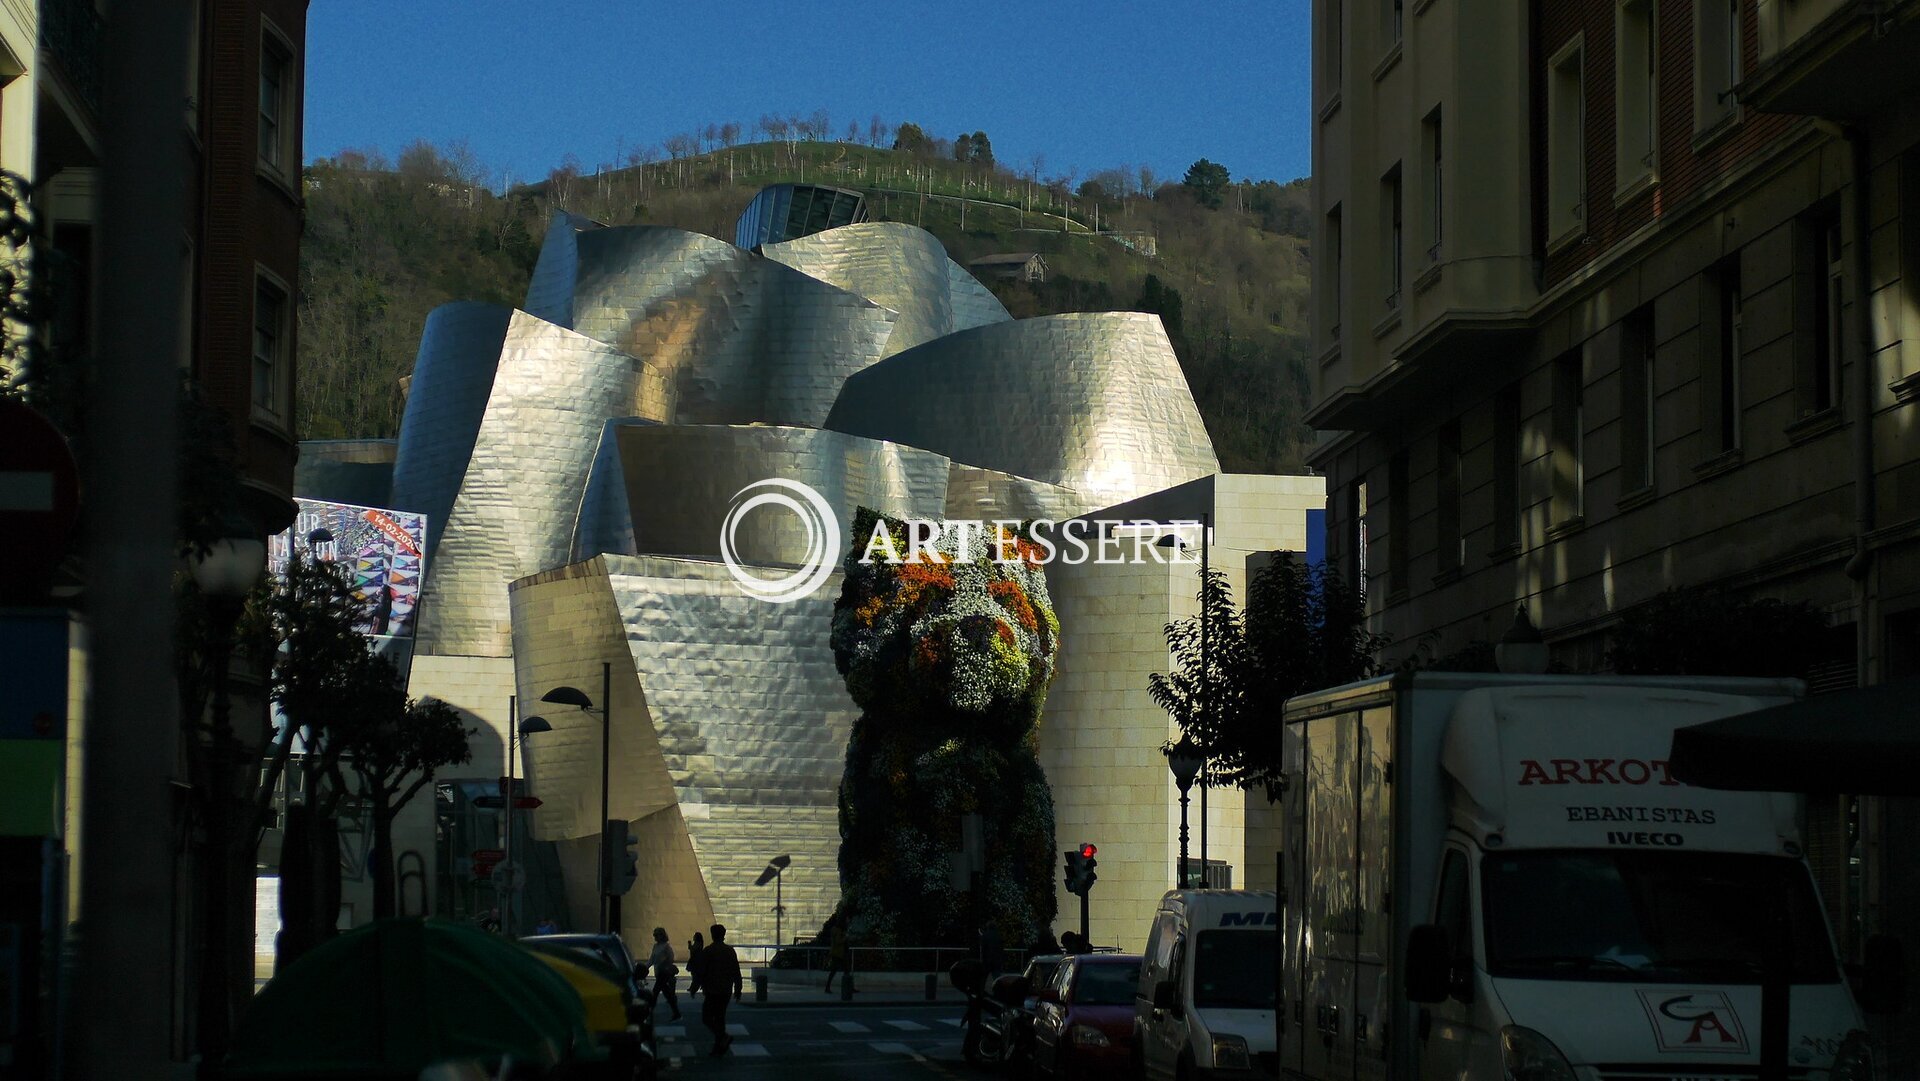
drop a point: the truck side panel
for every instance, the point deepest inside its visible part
(1373, 960)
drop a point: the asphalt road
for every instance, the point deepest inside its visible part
(802, 1043)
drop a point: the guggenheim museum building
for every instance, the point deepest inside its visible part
(577, 459)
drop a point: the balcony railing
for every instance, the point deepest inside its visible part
(70, 32)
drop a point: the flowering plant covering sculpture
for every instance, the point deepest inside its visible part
(948, 653)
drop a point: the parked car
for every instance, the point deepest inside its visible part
(1083, 1026)
(607, 957)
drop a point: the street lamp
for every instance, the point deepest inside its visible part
(225, 573)
(1184, 759)
(1172, 540)
(526, 727)
(571, 696)
(1521, 651)
(776, 869)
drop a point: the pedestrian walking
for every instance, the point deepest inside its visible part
(694, 963)
(838, 956)
(990, 952)
(665, 973)
(719, 969)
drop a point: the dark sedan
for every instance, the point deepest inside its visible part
(1084, 1028)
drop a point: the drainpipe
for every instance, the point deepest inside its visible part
(1863, 389)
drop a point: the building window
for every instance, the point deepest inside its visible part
(1431, 134)
(1448, 539)
(1818, 280)
(1566, 142)
(1392, 12)
(1333, 38)
(1724, 397)
(1506, 469)
(1636, 94)
(1716, 61)
(1636, 401)
(270, 341)
(276, 101)
(1569, 434)
(1357, 514)
(1399, 526)
(1334, 271)
(1390, 208)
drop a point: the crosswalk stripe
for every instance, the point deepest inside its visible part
(908, 1026)
(736, 1030)
(673, 1051)
(670, 1032)
(891, 1048)
(956, 1022)
(748, 1050)
(849, 1026)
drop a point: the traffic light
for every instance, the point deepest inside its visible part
(623, 863)
(1080, 865)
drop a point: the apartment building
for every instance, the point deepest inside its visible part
(1613, 296)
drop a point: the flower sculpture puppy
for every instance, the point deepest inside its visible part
(948, 652)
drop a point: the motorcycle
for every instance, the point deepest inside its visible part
(996, 1026)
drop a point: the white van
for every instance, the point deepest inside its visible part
(1204, 1008)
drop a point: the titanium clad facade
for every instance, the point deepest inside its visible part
(357, 471)
(550, 289)
(1093, 401)
(896, 266)
(787, 211)
(452, 379)
(741, 339)
(520, 494)
(679, 482)
(729, 733)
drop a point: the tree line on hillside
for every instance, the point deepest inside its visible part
(387, 241)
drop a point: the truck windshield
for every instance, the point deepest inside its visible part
(1234, 970)
(1648, 917)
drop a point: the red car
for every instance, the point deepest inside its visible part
(1083, 1027)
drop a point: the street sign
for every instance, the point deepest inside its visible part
(39, 501)
(490, 803)
(526, 803)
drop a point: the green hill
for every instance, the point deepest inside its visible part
(386, 243)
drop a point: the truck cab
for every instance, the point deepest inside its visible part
(1491, 876)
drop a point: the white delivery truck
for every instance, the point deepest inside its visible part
(1495, 877)
(1204, 1007)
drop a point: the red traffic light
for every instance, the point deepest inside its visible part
(1087, 850)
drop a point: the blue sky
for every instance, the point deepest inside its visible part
(1091, 84)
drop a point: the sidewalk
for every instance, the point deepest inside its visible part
(791, 987)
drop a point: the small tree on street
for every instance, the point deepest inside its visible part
(1304, 629)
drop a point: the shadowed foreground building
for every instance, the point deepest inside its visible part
(1613, 296)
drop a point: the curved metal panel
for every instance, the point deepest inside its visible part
(974, 305)
(452, 376)
(357, 471)
(732, 701)
(895, 265)
(550, 289)
(741, 338)
(677, 484)
(1092, 401)
(520, 492)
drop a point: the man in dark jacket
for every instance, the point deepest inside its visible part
(719, 971)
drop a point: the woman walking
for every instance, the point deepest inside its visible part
(694, 963)
(665, 974)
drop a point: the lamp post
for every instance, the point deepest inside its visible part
(1172, 540)
(775, 872)
(1184, 759)
(224, 574)
(525, 727)
(1521, 651)
(570, 696)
